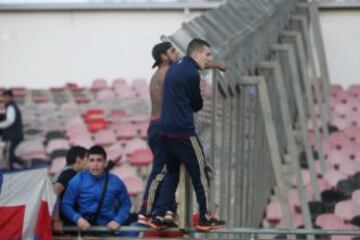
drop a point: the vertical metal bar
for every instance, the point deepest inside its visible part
(303, 29)
(274, 67)
(298, 44)
(274, 150)
(291, 59)
(319, 46)
(213, 140)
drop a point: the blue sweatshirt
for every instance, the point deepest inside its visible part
(181, 98)
(84, 191)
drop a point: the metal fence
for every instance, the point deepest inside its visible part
(254, 123)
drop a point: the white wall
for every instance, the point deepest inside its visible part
(341, 32)
(41, 49)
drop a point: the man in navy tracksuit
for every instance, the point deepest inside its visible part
(82, 196)
(179, 142)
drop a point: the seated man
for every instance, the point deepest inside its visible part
(76, 160)
(95, 197)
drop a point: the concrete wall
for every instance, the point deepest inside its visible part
(41, 49)
(341, 34)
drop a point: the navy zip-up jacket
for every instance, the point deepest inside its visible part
(82, 197)
(181, 98)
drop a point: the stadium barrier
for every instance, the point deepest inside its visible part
(260, 108)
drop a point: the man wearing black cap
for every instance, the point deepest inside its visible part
(12, 127)
(164, 54)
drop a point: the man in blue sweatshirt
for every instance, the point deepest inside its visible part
(82, 196)
(179, 142)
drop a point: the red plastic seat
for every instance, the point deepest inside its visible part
(334, 88)
(94, 111)
(125, 131)
(338, 155)
(134, 185)
(105, 94)
(354, 118)
(56, 88)
(99, 84)
(19, 91)
(322, 184)
(273, 212)
(138, 83)
(335, 140)
(95, 125)
(342, 108)
(333, 177)
(84, 140)
(56, 144)
(329, 221)
(353, 133)
(142, 129)
(118, 82)
(118, 113)
(104, 137)
(40, 99)
(343, 237)
(124, 172)
(341, 122)
(347, 210)
(30, 147)
(349, 167)
(355, 197)
(81, 99)
(135, 144)
(354, 90)
(115, 152)
(141, 157)
(57, 165)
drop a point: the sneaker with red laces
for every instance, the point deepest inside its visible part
(144, 220)
(208, 224)
(169, 220)
(158, 223)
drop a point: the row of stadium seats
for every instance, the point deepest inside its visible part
(340, 184)
(116, 117)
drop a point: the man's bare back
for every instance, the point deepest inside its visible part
(156, 90)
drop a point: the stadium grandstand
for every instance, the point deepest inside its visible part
(280, 128)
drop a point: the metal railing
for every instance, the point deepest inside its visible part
(258, 111)
(191, 233)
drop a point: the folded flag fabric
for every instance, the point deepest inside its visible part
(26, 205)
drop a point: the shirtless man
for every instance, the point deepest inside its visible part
(164, 55)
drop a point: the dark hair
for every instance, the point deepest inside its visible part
(74, 152)
(98, 150)
(8, 93)
(196, 44)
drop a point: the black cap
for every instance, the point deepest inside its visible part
(159, 49)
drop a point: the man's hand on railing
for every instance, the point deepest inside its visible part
(83, 224)
(216, 65)
(113, 226)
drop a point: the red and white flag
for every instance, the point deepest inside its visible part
(26, 205)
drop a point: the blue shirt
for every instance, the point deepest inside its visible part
(181, 98)
(83, 194)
